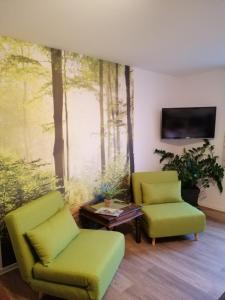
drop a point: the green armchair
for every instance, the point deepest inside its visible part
(165, 213)
(64, 261)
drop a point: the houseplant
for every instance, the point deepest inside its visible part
(113, 182)
(197, 168)
(20, 182)
(110, 190)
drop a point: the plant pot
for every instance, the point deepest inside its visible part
(190, 195)
(108, 202)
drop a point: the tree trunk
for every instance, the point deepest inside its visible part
(129, 122)
(112, 111)
(57, 89)
(25, 125)
(108, 126)
(101, 106)
(66, 117)
(117, 109)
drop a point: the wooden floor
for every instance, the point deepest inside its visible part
(175, 269)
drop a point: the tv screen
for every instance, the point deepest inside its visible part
(188, 122)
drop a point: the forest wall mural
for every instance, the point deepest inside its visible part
(65, 120)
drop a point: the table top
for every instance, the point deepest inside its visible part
(130, 211)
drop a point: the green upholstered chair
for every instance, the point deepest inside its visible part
(82, 270)
(165, 213)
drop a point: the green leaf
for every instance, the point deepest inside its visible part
(196, 166)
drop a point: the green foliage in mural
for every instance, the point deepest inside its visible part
(114, 181)
(21, 182)
(89, 117)
(77, 192)
(25, 90)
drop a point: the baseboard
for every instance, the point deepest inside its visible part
(9, 268)
(214, 214)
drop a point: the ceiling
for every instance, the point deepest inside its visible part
(169, 36)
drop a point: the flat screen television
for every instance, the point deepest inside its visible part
(188, 122)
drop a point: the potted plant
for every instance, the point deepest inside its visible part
(197, 168)
(109, 191)
(113, 182)
(20, 182)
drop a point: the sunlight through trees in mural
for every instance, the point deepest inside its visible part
(71, 112)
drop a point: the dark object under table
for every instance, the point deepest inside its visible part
(130, 212)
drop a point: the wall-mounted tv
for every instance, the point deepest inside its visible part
(188, 122)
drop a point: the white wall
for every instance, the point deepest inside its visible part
(154, 91)
(208, 89)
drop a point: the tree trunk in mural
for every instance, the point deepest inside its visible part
(77, 85)
(112, 111)
(25, 126)
(101, 105)
(66, 117)
(57, 89)
(130, 153)
(117, 109)
(108, 124)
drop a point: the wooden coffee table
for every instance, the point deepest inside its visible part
(130, 212)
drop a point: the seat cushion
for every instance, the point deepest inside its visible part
(165, 192)
(170, 219)
(89, 261)
(52, 236)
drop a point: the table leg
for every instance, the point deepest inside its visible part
(138, 229)
(110, 228)
(83, 221)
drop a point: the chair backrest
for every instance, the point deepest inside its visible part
(150, 177)
(21, 220)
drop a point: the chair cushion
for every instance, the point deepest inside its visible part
(170, 219)
(150, 177)
(89, 261)
(165, 192)
(52, 236)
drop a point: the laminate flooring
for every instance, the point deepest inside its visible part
(175, 269)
